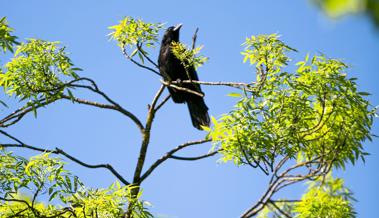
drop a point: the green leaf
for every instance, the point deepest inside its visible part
(3, 103)
(53, 196)
(68, 182)
(134, 52)
(141, 58)
(364, 93)
(235, 95)
(72, 97)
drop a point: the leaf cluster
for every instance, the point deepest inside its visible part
(188, 57)
(7, 40)
(135, 34)
(44, 177)
(131, 31)
(315, 111)
(326, 197)
(108, 202)
(40, 175)
(266, 50)
(38, 69)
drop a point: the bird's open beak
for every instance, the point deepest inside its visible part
(178, 26)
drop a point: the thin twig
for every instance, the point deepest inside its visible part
(280, 210)
(139, 64)
(163, 102)
(36, 194)
(18, 114)
(248, 159)
(286, 201)
(139, 47)
(169, 154)
(194, 158)
(156, 98)
(194, 37)
(277, 182)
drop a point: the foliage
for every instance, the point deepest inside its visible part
(109, 202)
(314, 117)
(131, 31)
(315, 112)
(338, 8)
(267, 50)
(44, 177)
(37, 70)
(7, 40)
(135, 33)
(325, 197)
(188, 57)
(41, 174)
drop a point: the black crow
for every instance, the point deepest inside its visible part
(172, 69)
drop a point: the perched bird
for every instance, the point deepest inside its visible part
(172, 69)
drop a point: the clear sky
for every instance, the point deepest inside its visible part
(184, 189)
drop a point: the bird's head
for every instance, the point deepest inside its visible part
(171, 34)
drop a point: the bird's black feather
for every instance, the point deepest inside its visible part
(172, 69)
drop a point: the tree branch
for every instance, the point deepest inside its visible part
(238, 85)
(18, 114)
(146, 137)
(169, 154)
(106, 166)
(107, 106)
(278, 182)
(118, 106)
(61, 152)
(194, 158)
(181, 88)
(143, 150)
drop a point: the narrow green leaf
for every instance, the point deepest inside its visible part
(234, 95)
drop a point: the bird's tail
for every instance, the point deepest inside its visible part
(199, 112)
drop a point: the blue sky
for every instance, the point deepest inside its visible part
(184, 189)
